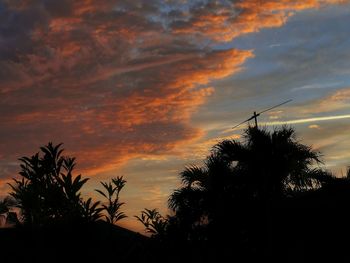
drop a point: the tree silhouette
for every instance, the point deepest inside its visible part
(267, 165)
(274, 161)
(113, 188)
(237, 205)
(154, 223)
(90, 210)
(4, 206)
(241, 184)
(48, 193)
(8, 217)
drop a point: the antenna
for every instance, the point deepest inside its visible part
(255, 115)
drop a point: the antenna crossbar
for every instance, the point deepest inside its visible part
(256, 115)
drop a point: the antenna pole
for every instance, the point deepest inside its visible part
(256, 119)
(256, 115)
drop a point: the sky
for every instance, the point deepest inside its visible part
(144, 88)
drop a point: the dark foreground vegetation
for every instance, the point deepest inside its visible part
(265, 198)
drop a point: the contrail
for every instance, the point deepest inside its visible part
(326, 118)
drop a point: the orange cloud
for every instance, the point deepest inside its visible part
(116, 80)
(314, 126)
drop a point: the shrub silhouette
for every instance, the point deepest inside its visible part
(113, 188)
(154, 223)
(6, 215)
(56, 223)
(48, 193)
(5, 206)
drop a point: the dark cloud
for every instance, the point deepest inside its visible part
(103, 78)
(113, 79)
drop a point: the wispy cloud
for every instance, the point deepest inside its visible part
(307, 120)
(314, 126)
(331, 102)
(274, 45)
(319, 86)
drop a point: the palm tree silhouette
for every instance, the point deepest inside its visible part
(275, 162)
(241, 182)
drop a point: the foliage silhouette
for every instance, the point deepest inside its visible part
(113, 188)
(47, 193)
(91, 212)
(5, 205)
(56, 218)
(264, 197)
(267, 166)
(237, 192)
(154, 223)
(8, 217)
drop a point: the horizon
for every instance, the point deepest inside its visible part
(143, 89)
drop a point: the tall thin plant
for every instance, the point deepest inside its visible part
(111, 192)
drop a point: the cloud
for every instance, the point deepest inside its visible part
(324, 109)
(226, 20)
(274, 45)
(314, 126)
(117, 80)
(111, 79)
(101, 77)
(307, 120)
(333, 143)
(334, 101)
(318, 86)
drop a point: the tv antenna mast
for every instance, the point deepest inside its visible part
(256, 115)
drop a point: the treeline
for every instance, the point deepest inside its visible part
(265, 197)
(262, 198)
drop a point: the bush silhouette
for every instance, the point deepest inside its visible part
(56, 223)
(7, 216)
(154, 223)
(113, 188)
(48, 193)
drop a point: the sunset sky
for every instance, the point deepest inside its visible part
(143, 88)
